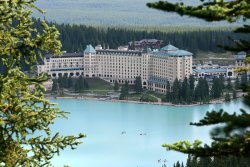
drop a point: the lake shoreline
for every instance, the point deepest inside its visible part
(216, 101)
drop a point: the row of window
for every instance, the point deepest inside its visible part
(118, 54)
(66, 60)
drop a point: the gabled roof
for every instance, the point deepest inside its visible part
(89, 49)
(176, 53)
(171, 50)
(169, 47)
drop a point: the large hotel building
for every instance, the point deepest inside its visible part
(156, 67)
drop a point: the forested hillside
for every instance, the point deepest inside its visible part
(228, 161)
(111, 12)
(74, 38)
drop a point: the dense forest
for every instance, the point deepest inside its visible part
(74, 38)
(229, 161)
(187, 92)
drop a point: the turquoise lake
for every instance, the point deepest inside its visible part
(103, 122)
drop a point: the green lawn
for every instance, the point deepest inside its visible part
(97, 84)
(97, 92)
(156, 94)
(148, 98)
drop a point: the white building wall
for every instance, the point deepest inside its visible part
(120, 66)
(168, 68)
(56, 66)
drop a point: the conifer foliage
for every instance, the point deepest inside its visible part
(124, 91)
(116, 86)
(24, 112)
(138, 84)
(74, 38)
(223, 161)
(185, 92)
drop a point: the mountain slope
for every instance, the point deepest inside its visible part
(112, 12)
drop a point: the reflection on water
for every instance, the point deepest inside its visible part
(129, 135)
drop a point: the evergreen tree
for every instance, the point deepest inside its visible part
(216, 89)
(204, 161)
(124, 91)
(138, 84)
(244, 80)
(86, 84)
(206, 91)
(64, 81)
(189, 161)
(194, 162)
(237, 83)
(126, 87)
(81, 83)
(191, 83)
(222, 161)
(168, 86)
(234, 94)
(183, 92)
(222, 82)
(176, 91)
(169, 97)
(177, 164)
(60, 81)
(227, 97)
(54, 85)
(186, 92)
(229, 84)
(201, 92)
(70, 82)
(116, 86)
(26, 116)
(76, 85)
(197, 92)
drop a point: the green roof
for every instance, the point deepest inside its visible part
(169, 47)
(171, 50)
(89, 49)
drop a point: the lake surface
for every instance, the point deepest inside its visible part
(103, 123)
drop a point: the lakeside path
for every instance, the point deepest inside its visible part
(216, 101)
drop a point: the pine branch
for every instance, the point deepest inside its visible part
(209, 11)
(244, 29)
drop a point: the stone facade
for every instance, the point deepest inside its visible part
(156, 67)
